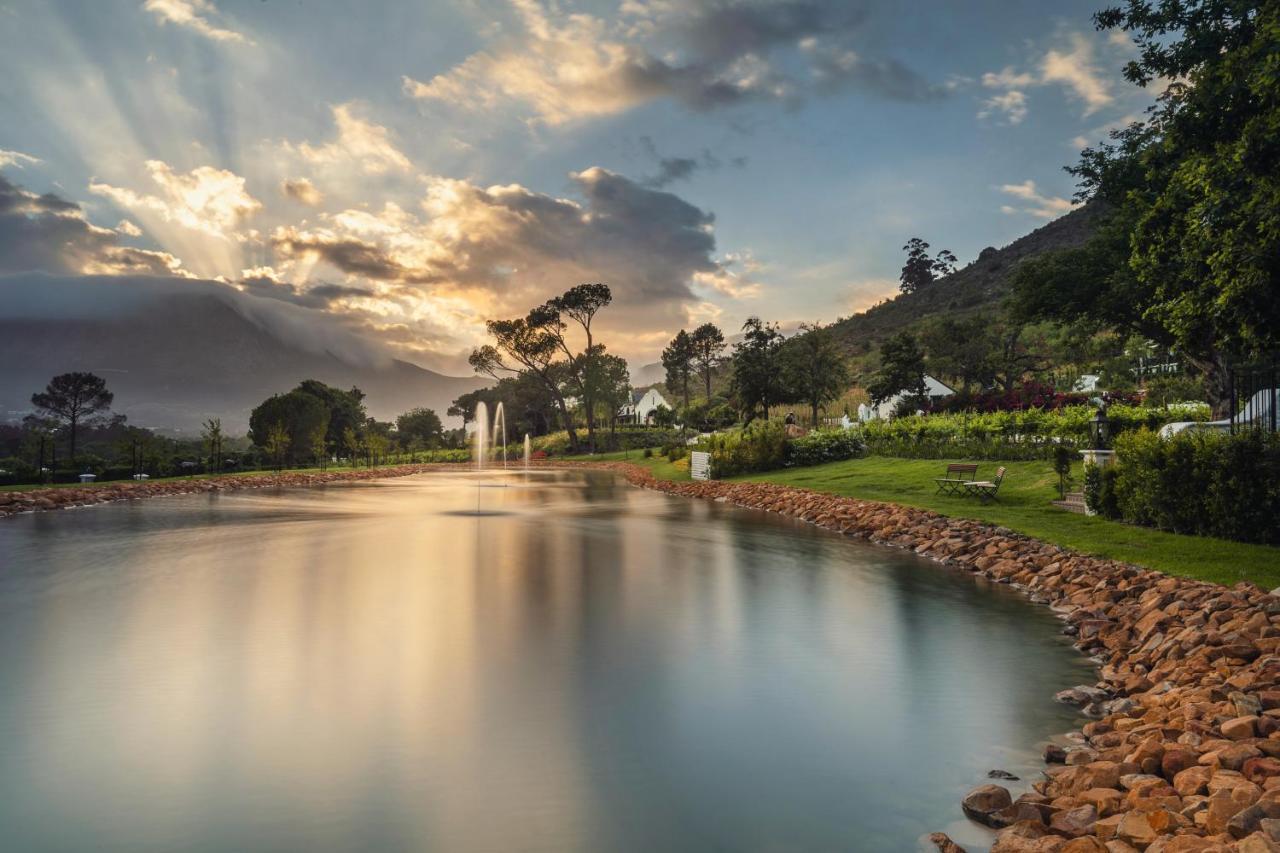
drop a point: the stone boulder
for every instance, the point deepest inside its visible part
(984, 802)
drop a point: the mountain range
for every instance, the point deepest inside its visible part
(176, 353)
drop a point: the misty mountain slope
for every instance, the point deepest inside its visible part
(177, 356)
(981, 285)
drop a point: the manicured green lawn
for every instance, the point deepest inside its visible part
(1024, 506)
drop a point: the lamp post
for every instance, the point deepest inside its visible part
(1099, 455)
(1100, 429)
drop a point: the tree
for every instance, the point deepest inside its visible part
(531, 343)
(377, 441)
(74, 400)
(678, 361)
(276, 441)
(1188, 254)
(300, 414)
(318, 444)
(608, 382)
(756, 381)
(211, 434)
(464, 406)
(920, 270)
(944, 264)
(901, 370)
(352, 445)
(581, 304)
(422, 425)
(917, 272)
(814, 368)
(708, 346)
(346, 408)
(961, 350)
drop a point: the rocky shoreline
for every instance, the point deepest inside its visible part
(1181, 751)
(40, 500)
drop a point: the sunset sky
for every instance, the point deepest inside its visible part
(412, 168)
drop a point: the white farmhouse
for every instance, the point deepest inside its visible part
(933, 389)
(642, 406)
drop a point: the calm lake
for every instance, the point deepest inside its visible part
(584, 666)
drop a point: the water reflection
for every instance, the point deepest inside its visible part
(597, 668)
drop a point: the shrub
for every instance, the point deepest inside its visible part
(648, 453)
(1208, 484)
(762, 446)
(825, 446)
(1063, 459)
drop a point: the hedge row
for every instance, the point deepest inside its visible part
(1029, 434)
(764, 446)
(1207, 484)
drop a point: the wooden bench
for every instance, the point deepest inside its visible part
(986, 490)
(958, 476)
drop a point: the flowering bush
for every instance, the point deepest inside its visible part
(1030, 395)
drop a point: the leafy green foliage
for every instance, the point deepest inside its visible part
(678, 362)
(901, 370)
(821, 446)
(285, 424)
(814, 369)
(421, 427)
(708, 348)
(757, 381)
(761, 446)
(1027, 434)
(346, 409)
(1208, 484)
(1190, 253)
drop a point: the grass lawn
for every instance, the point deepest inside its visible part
(1023, 506)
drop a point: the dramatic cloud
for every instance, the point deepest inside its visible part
(194, 15)
(569, 66)
(49, 233)
(1073, 68)
(302, 191)
(264, 281)
(1033, 203)
(359, 143)
(16, 158)
(477, 252)
(213, 201)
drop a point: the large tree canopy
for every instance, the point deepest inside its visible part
(1189, 253)
(74, 400)
(287, 425)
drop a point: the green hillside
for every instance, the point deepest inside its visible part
(980, 286)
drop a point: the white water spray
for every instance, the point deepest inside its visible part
(528, 450)
(481, 437)
(500, 418)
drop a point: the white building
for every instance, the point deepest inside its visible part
(933, 389)
(642, 406)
